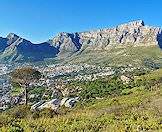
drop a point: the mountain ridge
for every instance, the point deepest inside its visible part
(16, 49)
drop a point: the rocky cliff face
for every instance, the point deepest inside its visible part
(136, 33)
(133, 33)
(67, 43)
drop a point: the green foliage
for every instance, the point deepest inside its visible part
(135, 107)
(101, 88)
(25, 75)
(16, 90)
(37, 90)
(134, 90)
(47, 113)
(150, 80)
(140, 56)
(132, 112)
(21, 111)
(15, 127)
(114, 86)
(48, 94)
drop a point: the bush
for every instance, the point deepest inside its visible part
(19, 112)
(126, 91)
(15, 127)
(134, 90)
(47, 113)
(102, 88)
(16, 90)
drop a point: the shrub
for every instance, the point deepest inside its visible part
(126, 91)
(15, 127)
(19, 112)
(102, 88)
(134, 90)
(47, 113)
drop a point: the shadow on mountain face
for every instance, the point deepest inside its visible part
(37, 52)
(3, 44)
(76, 40)
(159, 39)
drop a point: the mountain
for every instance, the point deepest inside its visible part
(65, 45)
(15, 48)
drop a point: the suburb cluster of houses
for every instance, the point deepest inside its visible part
(54, 81)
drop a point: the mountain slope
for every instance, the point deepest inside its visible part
(66, 45)
(19, 49)
(122, 56)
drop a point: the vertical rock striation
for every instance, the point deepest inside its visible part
(136, 33)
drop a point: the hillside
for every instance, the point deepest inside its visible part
(119, 56)
(134, 109)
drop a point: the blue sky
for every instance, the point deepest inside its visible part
(39, 20)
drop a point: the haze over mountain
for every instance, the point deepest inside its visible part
(16, 49)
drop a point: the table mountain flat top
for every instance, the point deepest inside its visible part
(16, 49)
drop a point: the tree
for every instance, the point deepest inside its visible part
(24, 76)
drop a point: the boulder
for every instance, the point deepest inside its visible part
(35, 106)
(63, 101)
(70, 103)
(53, 104)
(125, 79)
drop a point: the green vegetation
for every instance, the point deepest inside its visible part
(23, 77)
(101, 88)
(36, 93)
(37, 90)
(136, 111)
(136, 107)
(117, 56)
(16, 90)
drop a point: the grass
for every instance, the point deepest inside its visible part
(119, 56)
(132, 112)
(136, 109)
(157, 74)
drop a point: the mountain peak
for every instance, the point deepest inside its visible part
(137, 23)
(12, 36)
(132, 24)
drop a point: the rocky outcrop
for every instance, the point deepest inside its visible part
(54, 104)
(70, 103)
(36, 106)
(136, 33)
(159, 39)
(67, 42)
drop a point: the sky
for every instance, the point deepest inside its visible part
(40, 20)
